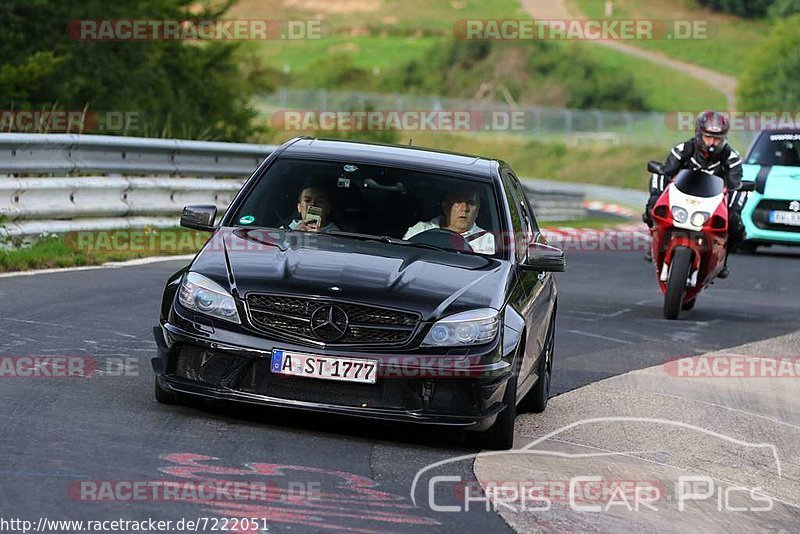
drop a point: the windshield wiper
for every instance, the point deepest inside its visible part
(391, 240)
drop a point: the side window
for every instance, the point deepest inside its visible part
(519, 221)
(529, 221)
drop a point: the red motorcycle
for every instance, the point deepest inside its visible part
(689, 235)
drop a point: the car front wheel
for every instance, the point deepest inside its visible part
(536, 400)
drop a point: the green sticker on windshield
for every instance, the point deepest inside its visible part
(247, 219)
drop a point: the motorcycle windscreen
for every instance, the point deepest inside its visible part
(699, 183)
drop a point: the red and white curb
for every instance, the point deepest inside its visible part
(606, 207)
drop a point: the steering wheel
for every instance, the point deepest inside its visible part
(442, 237)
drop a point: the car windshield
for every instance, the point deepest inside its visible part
(776, 149)
(355, 200)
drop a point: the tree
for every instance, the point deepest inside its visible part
(742, 8)
(178, 88)
(771, 74)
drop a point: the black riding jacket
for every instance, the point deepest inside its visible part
(728, 165)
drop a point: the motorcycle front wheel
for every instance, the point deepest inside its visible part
(676, 282)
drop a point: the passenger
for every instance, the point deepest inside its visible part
(317, 196)
(459, 211)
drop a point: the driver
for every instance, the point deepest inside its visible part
(459, 211)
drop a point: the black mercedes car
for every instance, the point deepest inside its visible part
(377, 281)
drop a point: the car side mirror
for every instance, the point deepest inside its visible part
(654, 167)
(199, 217)
(747, 187)
(545, 258)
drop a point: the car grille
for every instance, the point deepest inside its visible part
(761, 215)
(291, 317)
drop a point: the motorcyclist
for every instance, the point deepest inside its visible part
(707, 150)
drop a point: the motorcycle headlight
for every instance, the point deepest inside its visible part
(466, 328)
(679, 214)
(699, 218)
(204, 295)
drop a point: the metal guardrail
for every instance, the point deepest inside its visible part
(550, 203)
(126, 198)
(73, 153)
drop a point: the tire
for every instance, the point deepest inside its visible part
(676, 283)
(500, 437)
(536, 399)
(689, 305)
(164, 396)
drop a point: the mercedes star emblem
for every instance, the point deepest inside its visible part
(329, 323)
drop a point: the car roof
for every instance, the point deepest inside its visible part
(394, 155)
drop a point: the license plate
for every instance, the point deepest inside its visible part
(327, 367)
(785, 217)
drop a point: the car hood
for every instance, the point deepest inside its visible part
(431, 282)
(780, 182)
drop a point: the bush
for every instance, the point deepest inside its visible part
(771, 75)
(538, 72)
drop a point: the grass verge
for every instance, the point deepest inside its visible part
(78, 249)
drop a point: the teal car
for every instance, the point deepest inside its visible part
(772, 212)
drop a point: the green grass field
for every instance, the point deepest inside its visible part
(379, 35)
(729, 39)
(664, 90)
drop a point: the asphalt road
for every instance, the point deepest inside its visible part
(64, 440)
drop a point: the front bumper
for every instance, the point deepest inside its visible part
(464, 392)
(757, 226)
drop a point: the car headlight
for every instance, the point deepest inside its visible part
(467, 328)
(204, 295)
(679, 214)
(699, 218)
